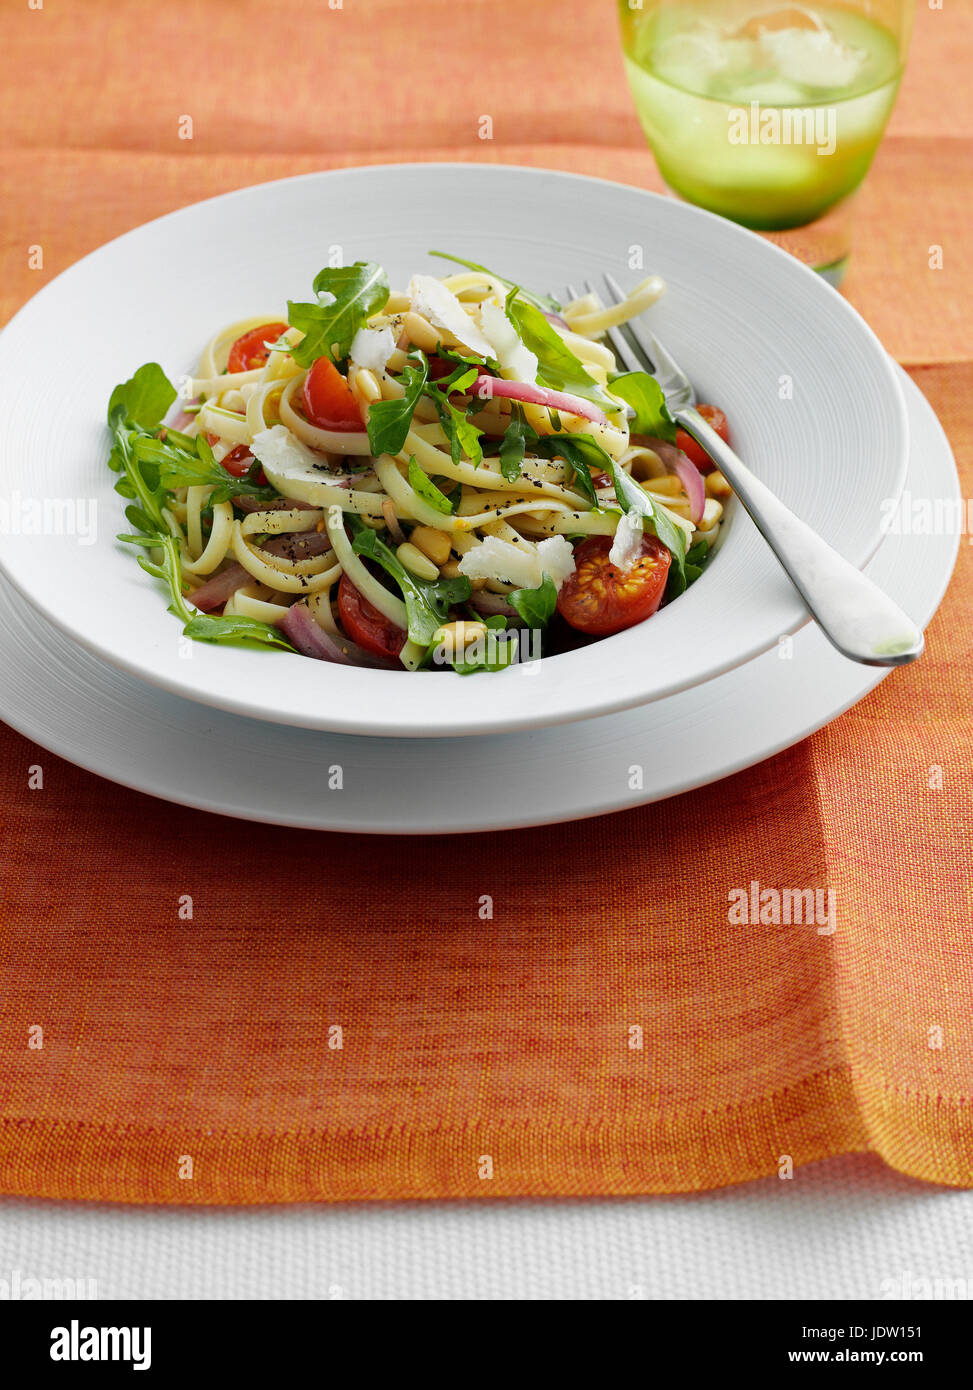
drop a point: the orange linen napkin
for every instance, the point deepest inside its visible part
(609, 1031)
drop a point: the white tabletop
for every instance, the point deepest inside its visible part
(840, 1229)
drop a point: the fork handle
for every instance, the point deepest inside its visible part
(852, 612)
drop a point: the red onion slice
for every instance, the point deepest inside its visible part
(486, 602)
(487, 386)
(311, 639)
(692, 480)
(392, 521)
(182, 418)
(298, 545)
(217, 589)
(686, 471)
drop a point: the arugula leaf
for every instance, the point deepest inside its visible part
(582, 452)
(169, 569)
(181, 468)
(514, 443)
(208, 627)
(201, 627)
(535, 606)
(557, 366)
(426, 605)
(541, 301)
(389, 422)
(422, 484)
(460, 379)
(181, 441)
(152, 460)
(644, 394)
(138, 518)
(149, 394)
(455, 494)
(631, 497)
(498, 651)
(357, 291)
(143, 399)
(697, 558)
(463, 435)
(138, 482)
(459, 359)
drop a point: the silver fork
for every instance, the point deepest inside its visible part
(852, 612)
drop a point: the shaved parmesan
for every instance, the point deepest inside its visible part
(295, 470)
(279, 449)
(497, 559)
(430, 298)
(627, 545)
(372, 348)
(507, 347)
(555, 557)
(513, 564)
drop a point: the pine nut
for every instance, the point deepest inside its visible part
(711, 516)
(418, 564)
(431, 542)
(419, 331)
(456, 637)
(667, 486)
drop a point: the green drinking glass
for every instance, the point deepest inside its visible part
(769, 115)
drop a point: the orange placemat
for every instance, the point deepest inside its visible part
(609, 1030)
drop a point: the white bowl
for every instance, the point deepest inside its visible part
(811, 396)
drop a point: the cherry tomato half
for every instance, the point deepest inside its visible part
(600, 599)
(248, 352)
(328, 402)
(365, 625)
(715, 417)
(439, 366)
(239, 461)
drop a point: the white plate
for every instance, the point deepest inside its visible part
(812, 398)
(70, 702)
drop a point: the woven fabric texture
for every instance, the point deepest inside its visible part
(500, 1057)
